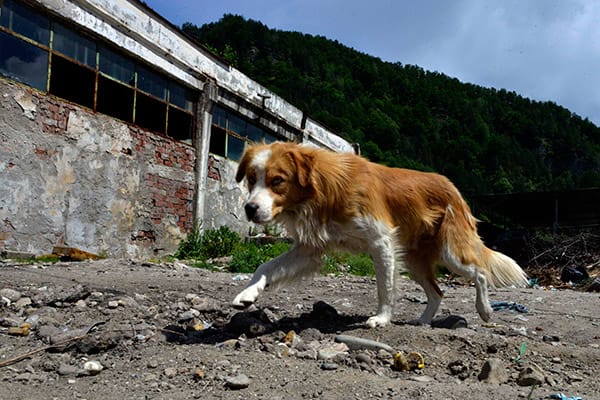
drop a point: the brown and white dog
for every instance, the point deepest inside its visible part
(402, 218)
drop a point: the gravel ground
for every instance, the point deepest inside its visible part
(116, 329)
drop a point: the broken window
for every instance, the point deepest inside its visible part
(230, 133)
(51, 57)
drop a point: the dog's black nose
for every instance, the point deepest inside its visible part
(251, 209)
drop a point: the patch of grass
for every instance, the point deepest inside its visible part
(211, 243)
(248, 256)
(359, 264)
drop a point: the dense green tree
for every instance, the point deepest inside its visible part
(486, 140)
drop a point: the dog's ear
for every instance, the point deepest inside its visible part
(241, 171)
(303, 163)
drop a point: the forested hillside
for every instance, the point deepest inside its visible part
(486, 140)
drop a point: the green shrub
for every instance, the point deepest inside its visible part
(211, 243)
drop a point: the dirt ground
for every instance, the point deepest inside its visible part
(119, 329)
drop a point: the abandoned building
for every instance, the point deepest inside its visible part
(118, 133)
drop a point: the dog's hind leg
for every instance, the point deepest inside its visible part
(476, 275)
(422, 271)
(300, 261)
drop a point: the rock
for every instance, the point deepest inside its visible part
(363, 358)
(329, 366)
(170, 372)
(322, 310)
(23, 302)
(550, 338)
(449, 322)
(459, 368)
(248, 323)
(357, 343)
(113, 304)
(59, 295)
(422, 378)
(68, 370)
(204, 304)
(80, 305)
(333, 352)
(92, 367)
(531, 375)
(10, 294)
(493, 371)
(189, 314)
(237, 382)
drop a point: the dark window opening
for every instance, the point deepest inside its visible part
(114, 99)
(72, 81)
(150, 113)
(180, 125)
(218, 136)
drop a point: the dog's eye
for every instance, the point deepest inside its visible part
(252, 180)
(276, 181)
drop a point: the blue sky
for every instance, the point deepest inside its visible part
(541, 49)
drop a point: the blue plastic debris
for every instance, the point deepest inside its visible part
(561, 396)
(508, 305)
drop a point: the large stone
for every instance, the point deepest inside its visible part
(531, 375)
(493, 371)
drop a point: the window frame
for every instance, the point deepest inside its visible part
(184, 102)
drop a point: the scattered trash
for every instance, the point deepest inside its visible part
(574, 275)
(22, 330)
(410, 362)
(73, 254)
(508, 305)
(522, 350)
(357, 343)
(238, 278)
(561, 396)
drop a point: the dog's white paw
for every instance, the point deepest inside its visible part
(485, 311)
(246, 298)
(378, 321)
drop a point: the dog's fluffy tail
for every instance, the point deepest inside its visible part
(502, 270)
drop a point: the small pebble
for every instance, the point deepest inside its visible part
(329, 366)
(237, 382)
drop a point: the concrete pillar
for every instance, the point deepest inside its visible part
(202, 143)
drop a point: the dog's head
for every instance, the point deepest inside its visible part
(278, 177)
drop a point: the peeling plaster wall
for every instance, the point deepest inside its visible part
(72, 177)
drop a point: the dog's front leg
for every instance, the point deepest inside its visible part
(298, 262)
(385, 265)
